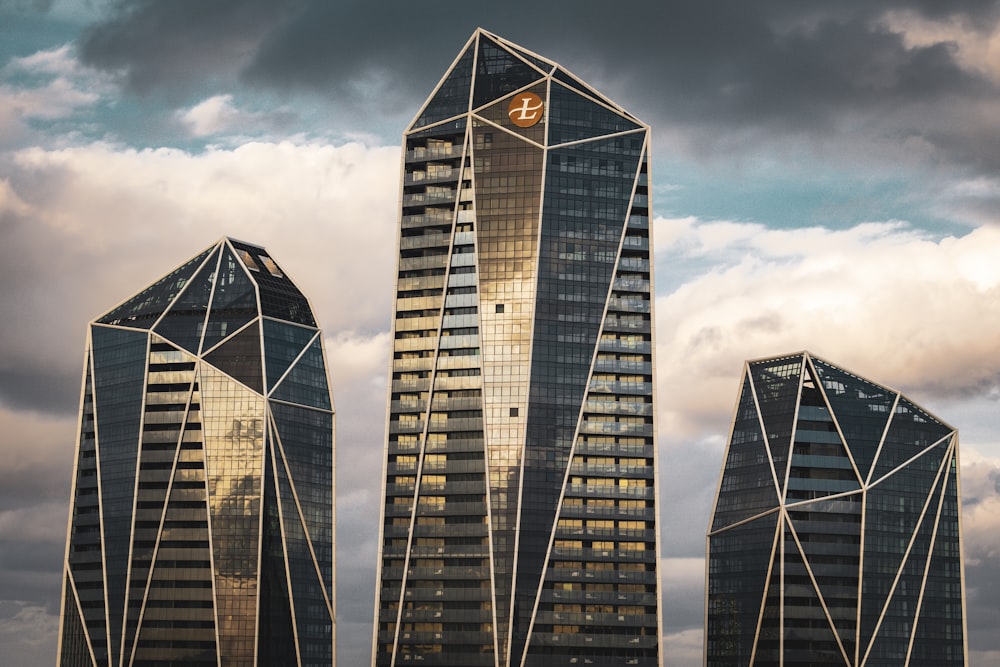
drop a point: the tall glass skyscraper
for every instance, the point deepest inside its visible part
(836, 537)
(202, 511)
(519, 516)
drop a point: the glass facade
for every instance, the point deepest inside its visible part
(519, 516)
(835, 538)
(201, 524)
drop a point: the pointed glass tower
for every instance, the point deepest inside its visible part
(519, 516)
(836, 537)
(202, 517)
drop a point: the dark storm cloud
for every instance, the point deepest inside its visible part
(164, 46)
(36, 482)
(980, 505)
(27, 5)
(27, 386)
(718, 69)
(32, 377)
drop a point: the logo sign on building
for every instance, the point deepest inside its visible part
(525, 109)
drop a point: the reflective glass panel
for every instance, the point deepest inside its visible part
(184, 322)
(498, 72)
(143, 309)
(306, 382)
(119, 373)
(234, 302)
(862, 408)
(573, 117)
(452, 98)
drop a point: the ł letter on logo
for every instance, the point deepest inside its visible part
(525, 109)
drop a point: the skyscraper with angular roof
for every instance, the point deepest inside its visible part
(519, 516)
(202, 510)
(836, 533)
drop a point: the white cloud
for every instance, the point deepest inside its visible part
(684, 648)
(50, 84)
(358, 360)
(57, 99)
(86, 227)
(881, 299)
(214, 115)
(9, 201)
(219, 115)
(59, 61)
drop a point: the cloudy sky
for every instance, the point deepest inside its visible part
(826, 176)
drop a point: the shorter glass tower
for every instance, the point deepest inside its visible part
(835, 538)
(201, 528)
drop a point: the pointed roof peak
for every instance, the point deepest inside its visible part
(485, 56)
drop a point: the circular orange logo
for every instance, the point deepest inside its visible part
(525, 109)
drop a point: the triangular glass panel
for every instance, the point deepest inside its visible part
(939, 634)
(747, 487)
(85, 536)
(234, 302)
(240, 357)
(162, 437)
(567, 78)
(861, 408)
(768, 651)
(154, 498)
(119, 376)
(180, 562)
(573, 117)
(314, 634)
(891, 640)
(500, 112)
(305, 438)
(588, 188)
(738, 560)
(452, 97)
(807, 638)
(306, 382)
(184, 322)
(500, 158)
(892, 513)
(544, 469)
(574, 247)
(85, 499)
(911, 431)
(820, 463)
(776, 382)
(233, 424)
(73, 652)
(279, 297)
(543, 65)
(830, 534)
(499, 72)
(275, 632)
(145, 307)
(282, 344)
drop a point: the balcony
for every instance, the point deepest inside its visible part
(433, 153)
